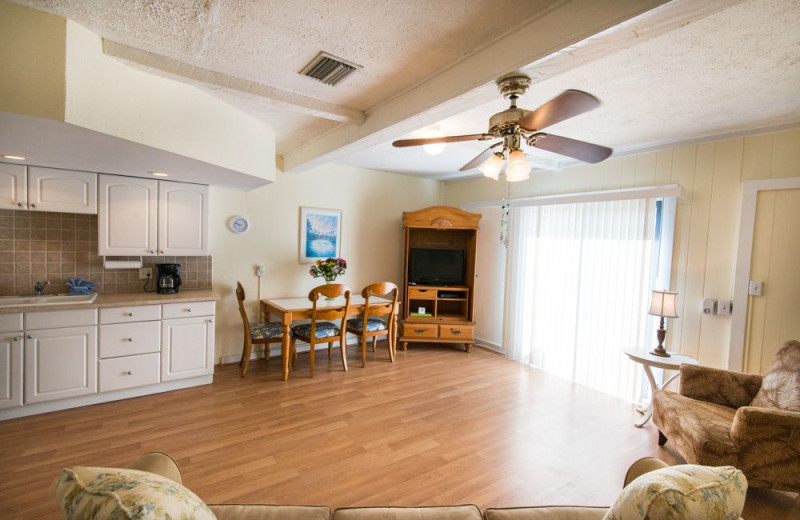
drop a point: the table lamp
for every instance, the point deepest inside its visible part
(663, 305)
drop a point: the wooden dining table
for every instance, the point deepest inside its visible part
(295, 308)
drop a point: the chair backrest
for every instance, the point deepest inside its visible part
(332, 290)
(387, 292)
(240, 297)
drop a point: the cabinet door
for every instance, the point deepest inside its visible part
(11, 369)
(187, 348)
(182, 219)
(127, 216)
(66, 191)
(60, 363)
(13, 186)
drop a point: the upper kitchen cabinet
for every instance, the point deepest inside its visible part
(145, 217)
(47, 189)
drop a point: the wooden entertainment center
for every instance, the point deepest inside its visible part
(435, 311)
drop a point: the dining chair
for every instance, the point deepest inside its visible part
(262, 333)
(321, 331)
(377, 319)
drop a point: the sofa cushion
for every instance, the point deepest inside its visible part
(780, 387)
(269, 512)
(699, 430)
(465, 512)
(545, 513)
(111, 493)
(687, 492)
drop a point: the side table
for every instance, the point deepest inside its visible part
(648, 362)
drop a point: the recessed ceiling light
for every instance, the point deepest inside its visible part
(160, 174)
(13, 157)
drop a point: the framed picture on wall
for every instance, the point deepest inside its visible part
(320, 234)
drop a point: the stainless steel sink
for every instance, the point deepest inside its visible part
(49, 299)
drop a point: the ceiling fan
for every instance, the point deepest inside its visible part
(516, 126)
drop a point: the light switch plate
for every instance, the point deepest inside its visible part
(709, 306)
(724, 308)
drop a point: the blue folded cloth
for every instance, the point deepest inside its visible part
(80, 286)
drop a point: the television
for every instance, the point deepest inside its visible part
(434, 266)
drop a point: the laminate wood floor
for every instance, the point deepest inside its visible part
(439, 426)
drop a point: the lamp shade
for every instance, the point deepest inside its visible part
(434, 148)
(518, 169)
(491, 166)
(664, 304)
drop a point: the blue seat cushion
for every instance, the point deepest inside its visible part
(270, 330)
(373, 324)
(324, 330)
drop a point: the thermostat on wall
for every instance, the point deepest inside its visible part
(238, 224)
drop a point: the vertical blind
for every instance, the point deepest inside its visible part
(578, 286)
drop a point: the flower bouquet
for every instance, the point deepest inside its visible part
(329, 269)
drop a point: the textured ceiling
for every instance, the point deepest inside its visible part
(686, 71)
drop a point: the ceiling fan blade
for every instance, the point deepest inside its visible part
(567, 104)
(446, 139)
(587, 152)
(477, 161)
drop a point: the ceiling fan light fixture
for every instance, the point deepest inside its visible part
(518, 169)
(491, 167)
(434, 148)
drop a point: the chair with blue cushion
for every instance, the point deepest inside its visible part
(263, 333)
(378, 318)
(319, 330)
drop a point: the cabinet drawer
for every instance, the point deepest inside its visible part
(187, 310)
(125, 339)
(58, 319)
(11, 322)
(463, 332)
(130, 313)
(129, 371)
(420, 330)
(421, 293)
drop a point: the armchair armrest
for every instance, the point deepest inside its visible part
(753, 425)
(723, 387)
(160, 464)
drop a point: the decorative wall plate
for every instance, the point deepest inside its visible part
(238, 224)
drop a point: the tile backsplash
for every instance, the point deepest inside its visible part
(36, 246)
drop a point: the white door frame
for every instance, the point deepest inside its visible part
(744, 256)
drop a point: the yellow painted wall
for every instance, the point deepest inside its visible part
(372, 203)
(32, 48)
(706, 225)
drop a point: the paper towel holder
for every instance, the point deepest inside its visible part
(122, 264)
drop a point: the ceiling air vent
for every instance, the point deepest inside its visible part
(329, 69)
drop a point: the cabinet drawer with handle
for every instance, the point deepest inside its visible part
(126, 339)
(129, 314)
(187, 310)
(419, 330)
(129, 371)
(421, 293)
(461, 332)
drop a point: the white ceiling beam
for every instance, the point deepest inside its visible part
(471, 80)
(282, 98)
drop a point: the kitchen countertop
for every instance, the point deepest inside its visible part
(122, 300)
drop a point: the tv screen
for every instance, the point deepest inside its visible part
(430, 266)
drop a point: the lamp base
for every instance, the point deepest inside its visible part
(660, 351)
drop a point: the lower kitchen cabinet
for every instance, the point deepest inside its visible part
(11, 369)
(187, 347)
(60, 363)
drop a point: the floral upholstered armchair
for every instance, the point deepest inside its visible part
(748, 421)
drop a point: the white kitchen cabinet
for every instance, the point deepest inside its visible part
(60, 363)
(11, 369)
(145, 217)
(187, 344)
(47, 189)
(130, 342)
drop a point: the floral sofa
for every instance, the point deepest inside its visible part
(721, 418)
(151, 488)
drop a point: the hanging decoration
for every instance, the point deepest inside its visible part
(505, 208)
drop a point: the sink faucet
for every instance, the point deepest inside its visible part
(38, 289)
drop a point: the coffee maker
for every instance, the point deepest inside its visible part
(168, 278)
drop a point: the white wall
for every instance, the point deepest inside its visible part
(109, 96)
(372, 204)
(706, 233)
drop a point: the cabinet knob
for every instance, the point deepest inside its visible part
(129, 372)
(188, 309)
(455, 332)
(20, 205)
(17, 338)
(160, 252)
(152, 252)
(419, 331)
(29, 336)
(211, 321)
(33, 205)
(129, 340)
(129, 314)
